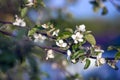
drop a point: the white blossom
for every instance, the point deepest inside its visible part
(81, 28)
(39, 38)
(55, 33)
(61, 43)
(102, 60)
(19, 22)
(99, 55)
(30, 3)
(68, 54)
(77, 37)
(50, 54)
(99, 59)
(99, 50)
(45, 26)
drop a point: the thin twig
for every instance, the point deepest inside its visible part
(7, 33)
(4, 22)
(53, 48)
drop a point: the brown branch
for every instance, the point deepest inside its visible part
(45, 34)
(53, 48)
(7, 33)
(46, 47)
(4, 22)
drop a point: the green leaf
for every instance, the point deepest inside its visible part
(90, 38)
(24, 11)
(77, 54)
(64, 35)
(75, 47)
(96, 8)
(104, 11)
(69, 29)
(87, 64)
(118, 49)
(117, 56)
(32, 31)
(110, 48)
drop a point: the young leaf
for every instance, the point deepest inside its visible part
(104, 11)
(87, 64)
(65, 35)
(32, 31)
(75, 47)
(90, 38)
(110, 48)
(77, 54)
(96, 8)
(117, 56)
(69, 29)
(24, 11)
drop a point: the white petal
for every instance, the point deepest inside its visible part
(15, 23)
(60, 41)
(57, 44)
(23, 24)
(74, 61)
(50, 54)
(36, 35)
(64, 44)
(69, 53)
(75, 41)
(50, 51)
(80, 36)
(36, 40)
(97, 62)
(45, 26)
(54, 33)
(30, 4)
(102, 60)
(30, 0)
(19, 22)
(43, 38)
(57, 30)
(80, 40)
(78, 33)
(82, 28)
(73, 36)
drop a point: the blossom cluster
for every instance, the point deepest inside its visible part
(71, 43)
(99, 59)
(19, 22)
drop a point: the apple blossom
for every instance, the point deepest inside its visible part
(55, 33)
(50, 54)
(19, 22)
(81, 28)
(61, 43)
(77, 37)
(39, 38)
